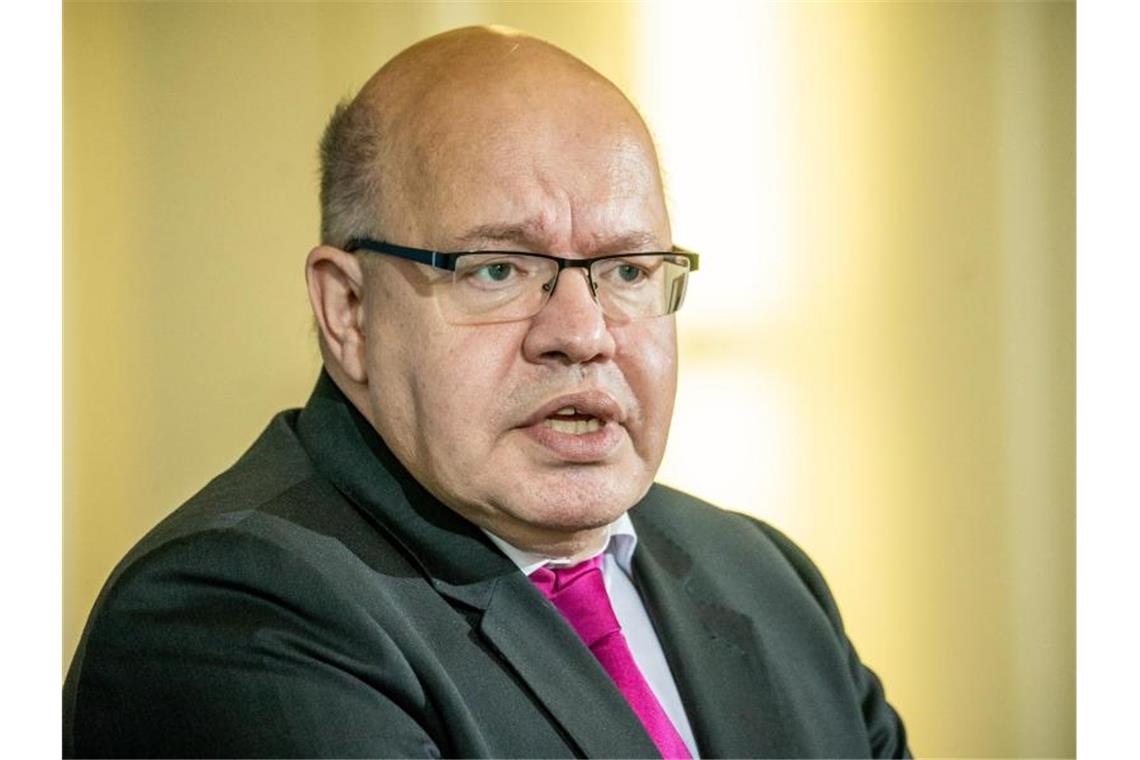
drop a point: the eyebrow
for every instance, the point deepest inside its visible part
(530, 234)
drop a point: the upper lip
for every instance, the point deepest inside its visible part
(595, 403)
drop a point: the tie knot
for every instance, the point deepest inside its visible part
(553, 580)
(579, 593)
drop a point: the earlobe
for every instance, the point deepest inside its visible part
(336, 287)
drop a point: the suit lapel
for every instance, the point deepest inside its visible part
(715, 653)
(525, 629)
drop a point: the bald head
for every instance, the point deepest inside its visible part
(452, 114)
(473, 61)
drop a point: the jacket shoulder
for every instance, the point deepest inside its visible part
(752, 567)
(708, 531)
(231, 617)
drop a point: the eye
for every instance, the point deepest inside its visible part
(498, 271)
(629, 273)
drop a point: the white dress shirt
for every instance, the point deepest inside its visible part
(617, 570)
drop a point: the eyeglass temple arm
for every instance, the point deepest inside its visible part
(431, 258)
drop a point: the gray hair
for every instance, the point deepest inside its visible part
(350, 174)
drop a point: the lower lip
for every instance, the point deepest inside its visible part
(585, 447)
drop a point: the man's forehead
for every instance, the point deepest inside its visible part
(512, 143)
(563, 185)
(535, 234)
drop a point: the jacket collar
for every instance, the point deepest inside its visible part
(453, 553)
(716, 653)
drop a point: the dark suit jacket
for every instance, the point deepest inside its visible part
(315, 600)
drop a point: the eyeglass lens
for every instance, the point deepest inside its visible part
(500, 287)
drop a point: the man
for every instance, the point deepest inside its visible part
(434, 556)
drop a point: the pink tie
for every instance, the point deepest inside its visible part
(579, 593)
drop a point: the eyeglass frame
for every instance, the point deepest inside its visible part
(447, 261)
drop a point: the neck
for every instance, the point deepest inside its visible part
(574, 547)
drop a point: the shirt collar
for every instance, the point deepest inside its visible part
(621, 540)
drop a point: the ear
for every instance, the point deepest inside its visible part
(336, 287)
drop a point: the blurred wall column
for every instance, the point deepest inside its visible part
(1035, 99)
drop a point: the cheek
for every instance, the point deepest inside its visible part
(647, 355)
(460, 378)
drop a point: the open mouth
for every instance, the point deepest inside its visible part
(583, 428)
(569, 420)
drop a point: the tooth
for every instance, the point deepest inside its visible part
(567, 410)
(575, 427)
(562, 426)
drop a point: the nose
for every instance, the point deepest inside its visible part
(570, 328)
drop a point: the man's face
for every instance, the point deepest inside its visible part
(468, 409)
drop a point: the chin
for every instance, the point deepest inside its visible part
(574, 501)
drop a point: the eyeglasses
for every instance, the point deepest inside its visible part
(504, 286)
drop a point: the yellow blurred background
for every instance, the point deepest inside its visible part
(877, 354)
